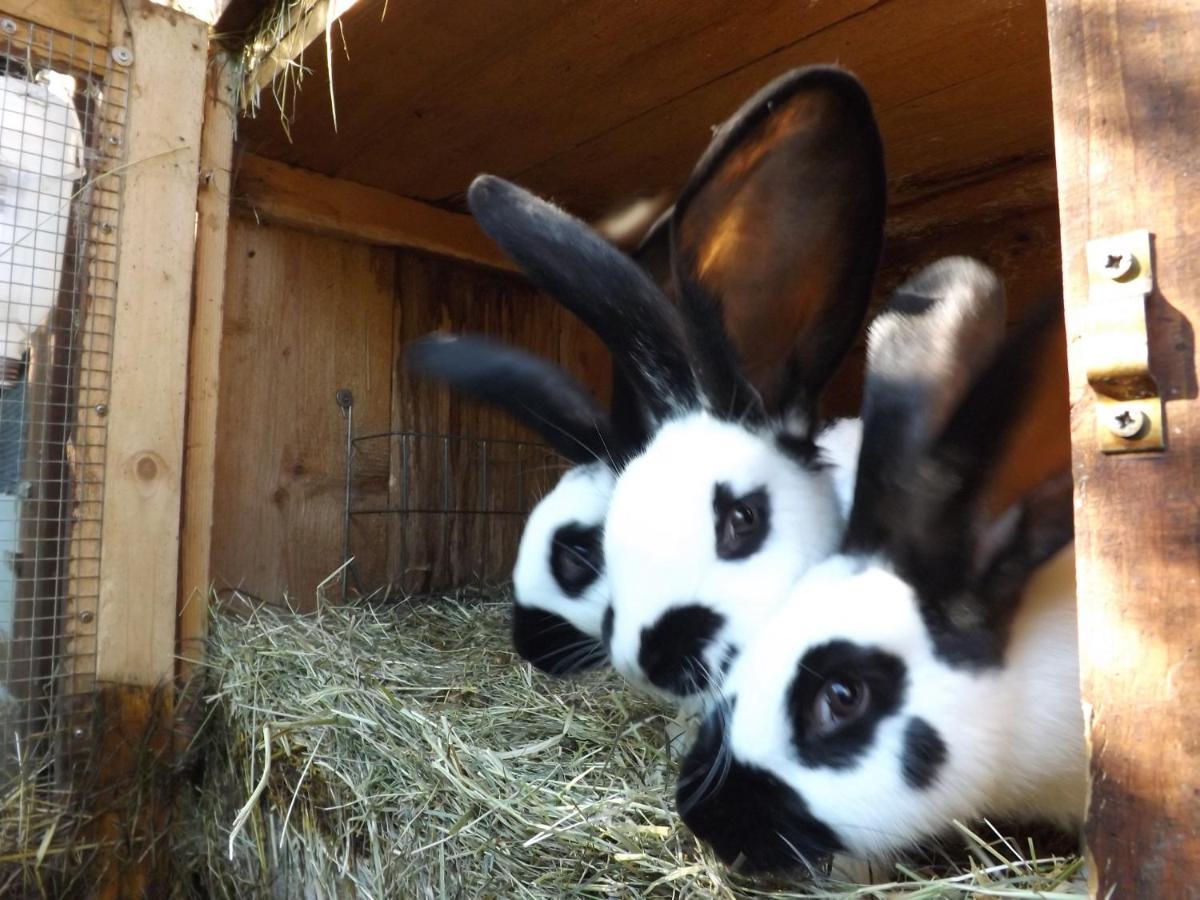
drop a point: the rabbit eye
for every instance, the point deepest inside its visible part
(576, 558)
(742, 522)
(841, 700)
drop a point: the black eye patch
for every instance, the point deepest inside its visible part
(884, 675)
(576, 557)
(741, 523)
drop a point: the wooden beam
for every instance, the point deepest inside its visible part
(199, 464)
(85, 19)
(288, 196)
(1127, 122)
(302, 24)
(144, 461)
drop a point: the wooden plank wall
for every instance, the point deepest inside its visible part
(306, 315)
(1127, 122)
(435, 551)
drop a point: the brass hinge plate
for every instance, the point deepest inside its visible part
(1128, 405)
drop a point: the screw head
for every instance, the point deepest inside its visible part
(122, 56)
(1127, 422)
(87, 616)
(1118, 263)
(344, 398)
(8, 26)
(100, 409)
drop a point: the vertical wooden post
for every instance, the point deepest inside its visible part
(139, 564)
(1127, 127)
(139, 553)
(199, 465)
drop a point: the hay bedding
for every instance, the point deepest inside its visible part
(402, 751)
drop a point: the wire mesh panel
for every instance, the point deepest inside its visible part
(455, 510)
(62, 124)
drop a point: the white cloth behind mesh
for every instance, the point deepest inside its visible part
(41, 156)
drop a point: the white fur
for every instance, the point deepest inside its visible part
(659, 543)
(1014, 734)
(581, 496)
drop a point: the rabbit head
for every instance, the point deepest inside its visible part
(925, 673)
(559, 586)
(741, 488)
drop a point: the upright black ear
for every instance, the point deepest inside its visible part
(923, 352)
(934, 539)
(536, 393)
(780, 228)
(603, 287)
(1034, 529)
(653, 254)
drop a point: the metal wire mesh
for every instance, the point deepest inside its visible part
(62, 126)
(454, 510)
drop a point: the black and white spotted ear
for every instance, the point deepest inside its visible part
(777, 235)
(606, 289)
(933, 536)
(924, 350)
(536, 393)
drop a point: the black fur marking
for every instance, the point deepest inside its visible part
(924, 754)
(731, 546)
(671, 651)
(533, 391)
(607, 290)
(801, 449)
(730, 657)
(552, 644)
(884, 675)
(629, 424)
(577, 557)
(748, 813)
(606, 627)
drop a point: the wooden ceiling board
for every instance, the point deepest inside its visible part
(594, 102)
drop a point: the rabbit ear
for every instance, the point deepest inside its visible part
(653, 253)
(1033, 530)
(603, 287)
(780, 227)
(628, 419)
(923, 352)
(934, 509)
(536, 393)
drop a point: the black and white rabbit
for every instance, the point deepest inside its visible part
(741, 489)
(560, 589)
(926, 673)
(787, 181)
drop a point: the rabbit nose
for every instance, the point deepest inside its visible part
(671, 651)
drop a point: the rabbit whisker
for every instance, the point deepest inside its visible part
(800, 857)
